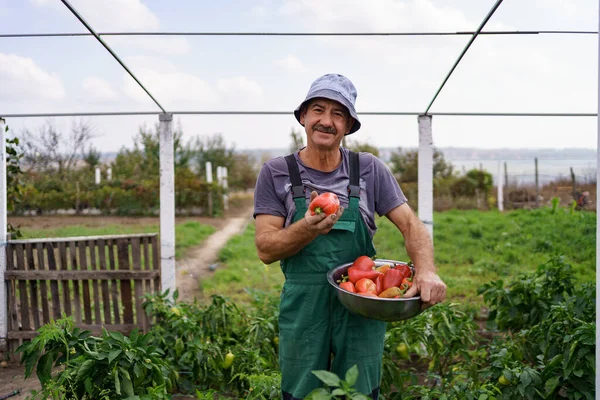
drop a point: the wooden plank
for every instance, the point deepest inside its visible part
(146, 264)
(24, 306)
(13, 322)
(96, 329)
(79, 275)
(156, 263)
(95, 286)
(138, 283)
(87, 300)
(33, 290)
(83, 238)
(76, 291)
(62, 253)
(43, 286)
(56, 309)
(104, 284)
(114, 288)
(124, 264)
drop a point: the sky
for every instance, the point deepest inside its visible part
(499, 73)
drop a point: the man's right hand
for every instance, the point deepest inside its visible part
(321, 223)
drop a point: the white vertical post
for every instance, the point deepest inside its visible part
(425, 172)
(598, 229)
(219, 175)
(500, 184)
(209, 172)
(3, 239)
(98, 178)
(225, 186)
(109, 174)
(209, 179)
(167, 205)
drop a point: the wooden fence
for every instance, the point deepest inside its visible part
(99, 281)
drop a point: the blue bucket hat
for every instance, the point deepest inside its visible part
(333, 87)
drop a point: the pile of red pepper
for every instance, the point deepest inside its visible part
(386, 281)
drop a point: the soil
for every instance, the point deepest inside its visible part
(198, 263)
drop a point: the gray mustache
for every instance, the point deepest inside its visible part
(319, 127)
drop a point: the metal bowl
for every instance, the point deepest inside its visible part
(374, 307)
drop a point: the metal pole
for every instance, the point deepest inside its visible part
(500, 188)
(425, 173)
(598, 230)
(3, 240)
(209, 179)
(537, 185)
(167, 205)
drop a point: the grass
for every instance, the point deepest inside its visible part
(187, 234)
(471, 248)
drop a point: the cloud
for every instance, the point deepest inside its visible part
(170, 86)
(21, 78)
(98, 90)
(375, 16)
(259, 11)
(291, 62)
(128, 15)
(240, 86)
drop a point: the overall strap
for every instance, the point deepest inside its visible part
(354, 187)
(298, 189)
(297, 186)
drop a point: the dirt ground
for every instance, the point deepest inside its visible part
(194, 265)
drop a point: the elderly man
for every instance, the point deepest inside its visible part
(316, 331)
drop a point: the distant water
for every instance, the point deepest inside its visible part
(523, 171)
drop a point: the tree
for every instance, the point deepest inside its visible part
(52, 151)
(143, 161)
(13, 175)
(214, 149)
(91, 157)
(405, 165)
(297, 141)
(244, 173)
(358, 146)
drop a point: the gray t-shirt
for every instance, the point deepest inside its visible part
(379, 190)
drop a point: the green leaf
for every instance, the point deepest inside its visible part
(88, 384)
(118, 336)
(126, 383)
(328, 378)
(359, 396)
(113, 354)
(44, 368)
(319, 394)
(117, 382)
(551, 385)
(338, 392)
(352, 375)
(84, 370)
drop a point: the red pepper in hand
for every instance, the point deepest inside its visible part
(355, 274)
(326, 203)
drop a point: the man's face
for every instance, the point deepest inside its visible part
(326, 122)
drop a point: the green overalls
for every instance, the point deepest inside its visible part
(313, 325)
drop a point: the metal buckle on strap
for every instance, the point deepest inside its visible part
(298, 191)
(354, 191)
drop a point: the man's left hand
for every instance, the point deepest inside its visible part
(430, 286)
